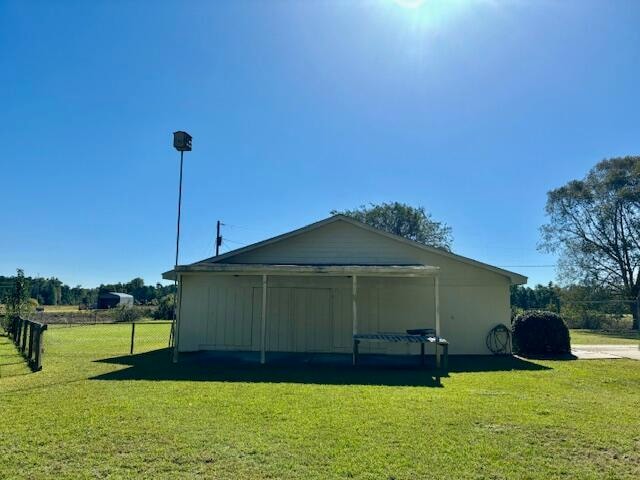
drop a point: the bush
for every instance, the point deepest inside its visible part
(165, 308)
(128, 314)
(540, 333)
(592, 319)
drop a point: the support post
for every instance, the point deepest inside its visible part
(354, 310)
(638, 308)
(263, 331)
(356, 344)
(218, 238)
(436, 288)
(174, 327)
(178, 308)
(133, 336)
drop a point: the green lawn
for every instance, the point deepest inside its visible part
(600, 337)
(95, 411)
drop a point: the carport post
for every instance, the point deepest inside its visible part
(436, 289)
(263, 333)
(354, 307)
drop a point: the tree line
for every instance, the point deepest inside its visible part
(52, 291)
(582, 306)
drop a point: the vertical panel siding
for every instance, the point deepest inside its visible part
(312, 319)
(339, 242)
(342, 322)
(224, 312)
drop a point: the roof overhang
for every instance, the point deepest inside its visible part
(293, 270)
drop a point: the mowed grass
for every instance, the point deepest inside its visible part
(604, 337)
(95, 411)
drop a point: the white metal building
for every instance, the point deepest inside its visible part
(311, 289)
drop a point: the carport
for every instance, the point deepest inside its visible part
(354, 272)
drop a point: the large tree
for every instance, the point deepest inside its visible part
(410, 222)
(594, 224)
(16, 301)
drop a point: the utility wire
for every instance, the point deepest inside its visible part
(527, 266)
(234, 241)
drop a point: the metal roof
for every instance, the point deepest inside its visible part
(118, 294)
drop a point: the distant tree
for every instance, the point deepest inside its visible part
(166, 307)
(541, 297)
(51, 291)
(17, 300)
(594, 224)
(401, 219)
(48, 291)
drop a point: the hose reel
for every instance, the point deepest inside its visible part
(499, 340)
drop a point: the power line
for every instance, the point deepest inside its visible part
(526, 266)
(242, 227)
(235, 241)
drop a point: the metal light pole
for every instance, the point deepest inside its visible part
(182, 143)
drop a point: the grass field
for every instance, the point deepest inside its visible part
(54, 308)
(95, 411)
(61, 308)
(599, 337)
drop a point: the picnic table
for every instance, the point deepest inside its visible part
(422, 339)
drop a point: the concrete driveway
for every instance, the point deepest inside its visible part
(587, 352)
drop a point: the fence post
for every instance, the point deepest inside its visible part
(35, 333)
(31, 339)
(15, 330)
(28, 338)
(133, 335)
(24, 326)
(37, 363)
(14, 325)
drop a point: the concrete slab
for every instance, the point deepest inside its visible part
(590, 355)
(606, 351)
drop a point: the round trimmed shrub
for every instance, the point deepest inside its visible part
(540, 333)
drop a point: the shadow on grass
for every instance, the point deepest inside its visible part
(296, 368)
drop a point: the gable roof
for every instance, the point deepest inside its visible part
(515, 278)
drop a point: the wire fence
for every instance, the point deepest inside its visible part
(76, 316)
(61, 343)
(106, 339)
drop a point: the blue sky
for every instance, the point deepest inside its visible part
(472, 109)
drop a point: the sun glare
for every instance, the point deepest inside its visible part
(428, 15)
(409, 3)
